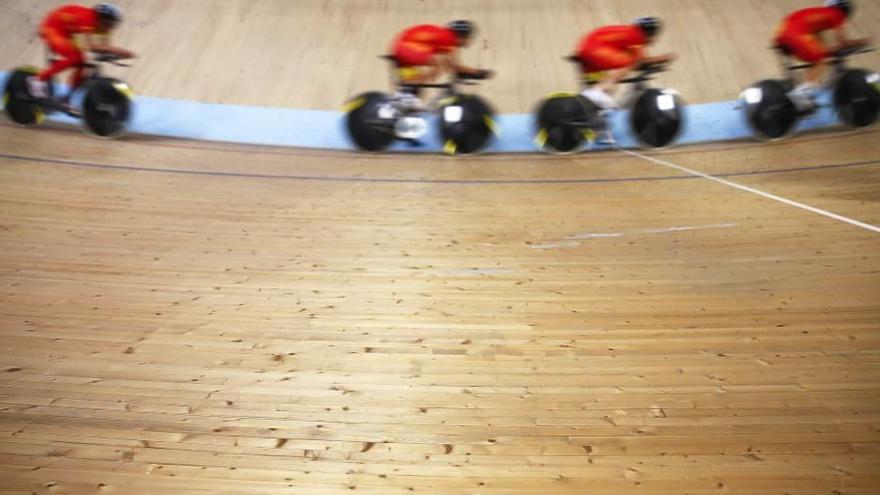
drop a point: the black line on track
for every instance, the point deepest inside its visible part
(391, 180)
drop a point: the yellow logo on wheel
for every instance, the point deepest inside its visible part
(541, 138)
(354, 104)
(124, 89)
(492, 125)
(447, 101)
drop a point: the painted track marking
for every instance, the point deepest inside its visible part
(741, 187)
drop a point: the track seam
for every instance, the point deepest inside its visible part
(318, 178)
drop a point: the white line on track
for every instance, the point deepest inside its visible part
(662, 230)
(555, 245)
(572, 240)
(813, 209)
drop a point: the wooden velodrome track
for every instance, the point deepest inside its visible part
(197, 318)
(318, 53)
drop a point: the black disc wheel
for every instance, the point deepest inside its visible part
(19, 105)
(467, 124)
(107, 107)
(562, 122)
(370, 121)
(769, 111)
(857, 98)
(657, 117)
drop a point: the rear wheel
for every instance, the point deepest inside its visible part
(370, 121)
(562, 122)
(18, 103)
(769, 111)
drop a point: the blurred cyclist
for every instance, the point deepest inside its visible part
(609, 53)
(425, 52)
(800, 36)
(60, 29)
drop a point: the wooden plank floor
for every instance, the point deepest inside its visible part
(186, 318)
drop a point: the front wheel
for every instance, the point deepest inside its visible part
(107, 107)
(657, 117)
(19, 105)
(769, 111)
(467, 124)
(563, 122)
(857, 97)
(370, 120)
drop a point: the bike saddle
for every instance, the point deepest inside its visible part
(391, 59)
(782, 49)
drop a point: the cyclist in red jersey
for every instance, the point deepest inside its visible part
(59, 30)
(609, 53)
(425, 52)
(800, 36)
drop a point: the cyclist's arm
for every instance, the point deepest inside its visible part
(101, 43)
(845, 41)
(658, 59)
(457, 66)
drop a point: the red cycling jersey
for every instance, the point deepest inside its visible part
(799, 32)
(58, 29)
(71, 19)
(814, 20)
(419, 44)
(611, 47)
